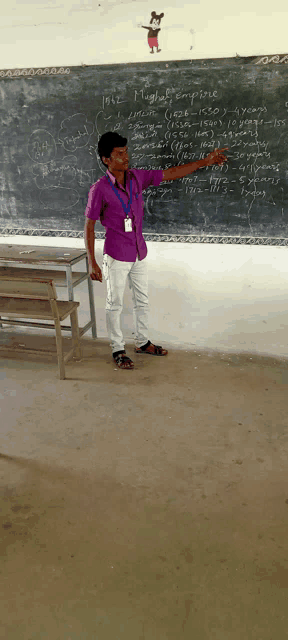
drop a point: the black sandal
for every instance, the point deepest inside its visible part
(122, 360)
(155, 350)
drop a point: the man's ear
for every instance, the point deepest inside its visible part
(161, 15)
(104, 160)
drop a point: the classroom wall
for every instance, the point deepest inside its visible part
(50, 33)
(217, 296)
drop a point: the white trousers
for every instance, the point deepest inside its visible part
(116, 273)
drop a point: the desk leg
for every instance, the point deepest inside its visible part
(91, 302)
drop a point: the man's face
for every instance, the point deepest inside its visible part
(119, 159)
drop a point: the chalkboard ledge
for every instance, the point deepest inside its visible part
(150, 237)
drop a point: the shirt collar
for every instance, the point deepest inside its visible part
(112, 178)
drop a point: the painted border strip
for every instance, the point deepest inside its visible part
(54, 71)
(277, 59)
(17, 73)
(151, 237)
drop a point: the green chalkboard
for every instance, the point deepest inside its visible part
(171, 113)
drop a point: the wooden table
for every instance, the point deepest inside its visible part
(45, 261)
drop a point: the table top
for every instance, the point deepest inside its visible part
(31, 254)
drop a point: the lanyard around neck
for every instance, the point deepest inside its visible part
(128, 207)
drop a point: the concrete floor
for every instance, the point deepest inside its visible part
(144, 505)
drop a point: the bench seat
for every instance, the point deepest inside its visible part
(36, 309)
(58, 277)
(36, 298)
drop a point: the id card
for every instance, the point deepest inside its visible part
(128, 224)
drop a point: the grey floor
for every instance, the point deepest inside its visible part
(144, 505)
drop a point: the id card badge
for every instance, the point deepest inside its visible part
(128, 224)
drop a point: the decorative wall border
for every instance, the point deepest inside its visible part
(54, 71)
(151, 237)
(277, 59)
(48, 71)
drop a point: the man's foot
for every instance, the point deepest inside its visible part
(151, 349)
(123, 361)
(158, 50)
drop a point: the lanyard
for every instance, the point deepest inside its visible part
(126, 209)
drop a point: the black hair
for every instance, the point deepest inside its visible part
(154, 15)
(107, 142)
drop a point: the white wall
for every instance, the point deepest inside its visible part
(224, 297)
(45, 33)
(217, 296)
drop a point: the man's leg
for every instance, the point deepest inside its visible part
(138, 283)
(115, 273)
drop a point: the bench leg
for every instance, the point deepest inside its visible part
(75, 334)
(69, 283)
(59, 346)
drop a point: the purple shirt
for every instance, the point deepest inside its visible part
(104, 205)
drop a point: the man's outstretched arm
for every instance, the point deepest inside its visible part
(216, 157)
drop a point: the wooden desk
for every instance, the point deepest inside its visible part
(46, 261)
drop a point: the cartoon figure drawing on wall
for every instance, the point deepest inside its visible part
(153, 31)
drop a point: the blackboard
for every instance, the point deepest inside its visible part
(172, 113)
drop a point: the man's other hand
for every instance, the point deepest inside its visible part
(95, 272)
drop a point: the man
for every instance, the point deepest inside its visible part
(116, 199)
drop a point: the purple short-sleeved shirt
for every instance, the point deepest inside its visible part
(104, 205)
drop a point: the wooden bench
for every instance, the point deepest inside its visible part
(37, 299)
(59, 278)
